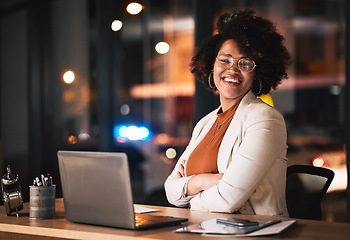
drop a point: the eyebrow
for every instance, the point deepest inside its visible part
(226, 55)
(229, 55)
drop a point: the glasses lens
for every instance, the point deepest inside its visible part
(225, 62)
(246, 64)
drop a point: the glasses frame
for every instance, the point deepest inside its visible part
(238, 60)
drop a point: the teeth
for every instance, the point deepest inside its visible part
(231, 80)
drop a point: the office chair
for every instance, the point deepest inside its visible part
(305, 188)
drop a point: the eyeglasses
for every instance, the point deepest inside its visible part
(244, 64)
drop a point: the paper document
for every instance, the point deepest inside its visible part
(212, 227)
(139, 209)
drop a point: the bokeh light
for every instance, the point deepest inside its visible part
(116, 25)
(125, 109)
(134, 8)
(162, 47)
(133, 133)
(318, 162)
(72, 139)
(69, 77)
(170, 153)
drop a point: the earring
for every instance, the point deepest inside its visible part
(260, 88)
(209, 80)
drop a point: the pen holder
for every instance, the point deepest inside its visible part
(42, 202)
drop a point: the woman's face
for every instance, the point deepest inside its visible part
(232, 83)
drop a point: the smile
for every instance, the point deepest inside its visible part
(231, 80)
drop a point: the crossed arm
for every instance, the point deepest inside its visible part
(198, 182)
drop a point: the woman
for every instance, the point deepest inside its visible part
(236, 159)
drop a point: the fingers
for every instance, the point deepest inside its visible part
(181, 170)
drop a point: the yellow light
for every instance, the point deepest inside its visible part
(162, 47)
(68, 77)
(116, 25)
(134, 8)
(170, 153)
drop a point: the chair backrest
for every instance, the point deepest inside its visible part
(305, 189)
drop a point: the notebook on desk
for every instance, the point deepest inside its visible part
(96, 190)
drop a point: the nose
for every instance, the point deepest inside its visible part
(234, 67)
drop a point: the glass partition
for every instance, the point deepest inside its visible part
(115, 79)
(152, 90)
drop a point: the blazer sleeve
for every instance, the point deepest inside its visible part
(175, 187)
(263, 139)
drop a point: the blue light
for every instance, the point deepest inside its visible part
(132, 133)
(123, 132)
(116, 129)
(144, 132)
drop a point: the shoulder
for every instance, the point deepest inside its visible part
(260, 115)
(258, 107)
(254, 110)
(252, 106)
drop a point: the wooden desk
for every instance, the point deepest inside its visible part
(12, 227)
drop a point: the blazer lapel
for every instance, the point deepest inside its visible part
(233, 133)
(206, 127)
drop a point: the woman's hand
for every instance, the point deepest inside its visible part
(202, 182)
(198, 182)
(181, 169)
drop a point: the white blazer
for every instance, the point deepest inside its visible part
(252, 157)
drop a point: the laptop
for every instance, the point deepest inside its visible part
(96, 190)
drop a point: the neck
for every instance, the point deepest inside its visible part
(228, 103)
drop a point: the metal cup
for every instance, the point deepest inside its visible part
(42, 202)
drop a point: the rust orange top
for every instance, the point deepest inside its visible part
(204, 158)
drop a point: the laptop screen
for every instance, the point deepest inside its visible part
(96, 188)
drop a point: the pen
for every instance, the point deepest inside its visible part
(38, 182)
(45, 181)
(272, 222)
(50, 180)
